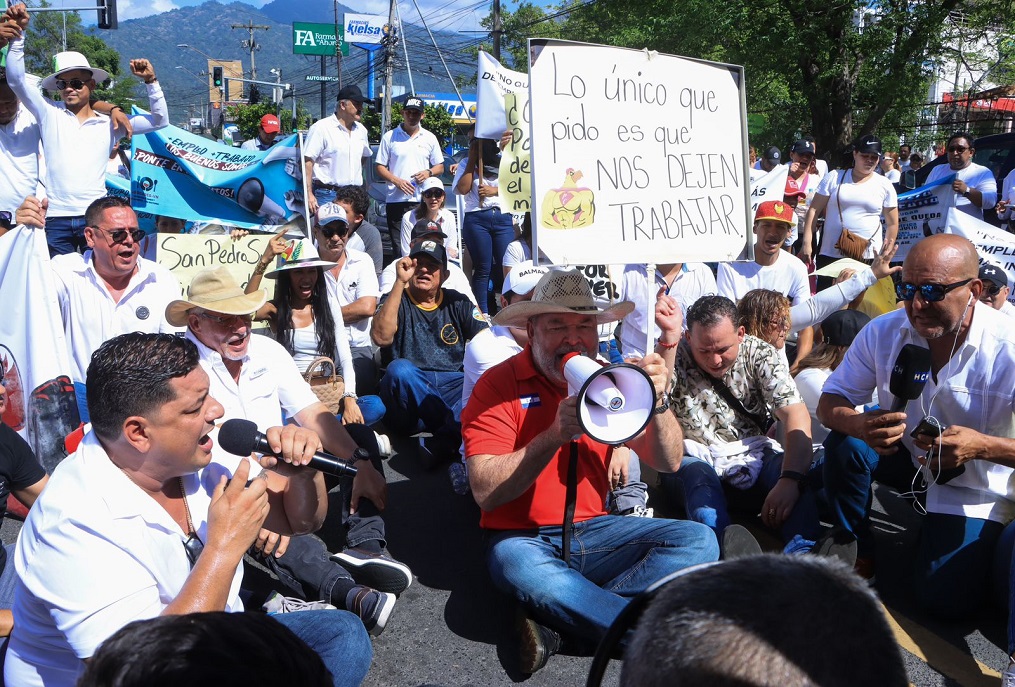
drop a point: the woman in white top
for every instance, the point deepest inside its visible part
(520, 250)
(855, 198)
(431, 207)
(890, 167)
(307, 324)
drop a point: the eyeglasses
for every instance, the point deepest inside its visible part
(957, 149)
(193, 546)
(334, 229)
(932, 293)
(120, 235)
(433, 193)
(226, 319)
(76, 84)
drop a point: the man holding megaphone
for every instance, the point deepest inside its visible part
(534, 466)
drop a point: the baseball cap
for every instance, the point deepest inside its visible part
(413, 103)
(331, 212)
(431, 183)
(776, 210)
(426, 227)
(433, 249)
(868, 144)
(523, 277)
(993, 274)
(351, 92)
(842, 326)
(802, 146)
(773, 155)
(269, 123)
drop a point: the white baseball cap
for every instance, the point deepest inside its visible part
(523, 277)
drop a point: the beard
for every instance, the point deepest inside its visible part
(550, 362)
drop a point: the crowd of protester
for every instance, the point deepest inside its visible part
(773, 389)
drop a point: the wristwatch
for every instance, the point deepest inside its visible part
(663, 406)
(360, 454)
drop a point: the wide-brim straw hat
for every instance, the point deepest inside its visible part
(216, 290)
(298, 255)
(69, 61)
(561, 292)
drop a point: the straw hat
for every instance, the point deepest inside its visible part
(299, 254)
(214, 289)
(561, 292)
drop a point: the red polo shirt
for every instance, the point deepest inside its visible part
(512, 403)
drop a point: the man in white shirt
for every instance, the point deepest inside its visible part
(110, 290)
(995, 289)
(408, 156)
(975, 187)
(76, 139)
(19, 152)
(266, 132)
(968, 465)
(905, 150)
(334, 149)
(142, 521)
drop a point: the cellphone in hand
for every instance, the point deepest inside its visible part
(930, 426)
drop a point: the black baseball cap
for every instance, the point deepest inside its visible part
(426, 227)
(842, 326)
(994, 274)
(802, 146)
(413, 103)
(870, 145)
(431, 248)
(351, 92)
(773, 155)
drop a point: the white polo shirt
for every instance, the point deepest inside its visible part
(356, 280)
(975, 389)
(694, 281)
(89, 314)
(19, 159)
(788, 276)
(404, 155)
(336, 151)
(96, 553)
(269, 383)
(976, 176)
(76, 152)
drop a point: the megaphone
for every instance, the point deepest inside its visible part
(615, 402)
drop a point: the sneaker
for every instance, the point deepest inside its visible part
(637, 512)
(536, 643)
(277, 603)
(375, 570)
(738, 542)
(373, 607)
(1008, 676)
(383, 445)
(841, 545)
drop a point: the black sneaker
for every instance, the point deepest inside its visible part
(373, 607)
(536, 643)
(376, 570)
(738, 542)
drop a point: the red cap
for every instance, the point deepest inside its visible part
(776, 210)
(269, 123)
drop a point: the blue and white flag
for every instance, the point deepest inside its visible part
(922, 212)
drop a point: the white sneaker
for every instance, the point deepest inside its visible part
(277, 603)
(1008, 676)
(383, 445)
(638, 512)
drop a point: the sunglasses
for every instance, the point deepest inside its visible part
(991, 290)
(76, 84)
(6, 218)
(120, 235)
(957, 149)
(932, 293)
(193, 546)
(334, 229)
(433, 194)
(227, 319)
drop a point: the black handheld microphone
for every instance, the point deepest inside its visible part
(242, 438)
(909, 375)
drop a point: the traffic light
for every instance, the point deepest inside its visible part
(216, 77)
(107, 14)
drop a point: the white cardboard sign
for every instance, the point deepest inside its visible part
(637, 157)
(493, 82)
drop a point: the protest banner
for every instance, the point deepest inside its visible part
(994, 245)
(515, 178)
(922, 212)
(187, 254)
(34, 360)
(637, 157)
(493, 82)
(772, 186)
(175, 173)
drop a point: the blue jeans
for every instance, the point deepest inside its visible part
(338, 637)
(705, 497)
(8, 579)
(632, 493)
(65, 235)
(487, 234)
(612, 560)
(420, 400)
(81, 397)
(324, 195)
(372, 408)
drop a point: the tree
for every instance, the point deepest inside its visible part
(248, 117)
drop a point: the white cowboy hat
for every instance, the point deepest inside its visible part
(69, 61)
(300, 254)
(561, 292)
(216, 290)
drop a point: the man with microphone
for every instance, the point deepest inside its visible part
(519, 426)
(969, 393)
(255, 379)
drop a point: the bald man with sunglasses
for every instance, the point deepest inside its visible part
(108, 291)
(968, 463)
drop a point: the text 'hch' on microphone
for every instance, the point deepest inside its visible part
(241, 437)
(909, 375)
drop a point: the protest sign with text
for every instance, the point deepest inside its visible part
(922, 212)
(515, 177)
(994, 245)
(772, 186)
(187, 254)
(493, 82)
(637, 157)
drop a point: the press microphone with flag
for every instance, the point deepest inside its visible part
(909, 375)
(241, 437)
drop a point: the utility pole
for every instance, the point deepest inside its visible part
(389, 52)
(251, 43)
(497, 30)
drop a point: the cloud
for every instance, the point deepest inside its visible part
(135, 9)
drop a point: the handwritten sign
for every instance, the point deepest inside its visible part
(515, 177)
(187, 254)
(637, 157)
(493, 82)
